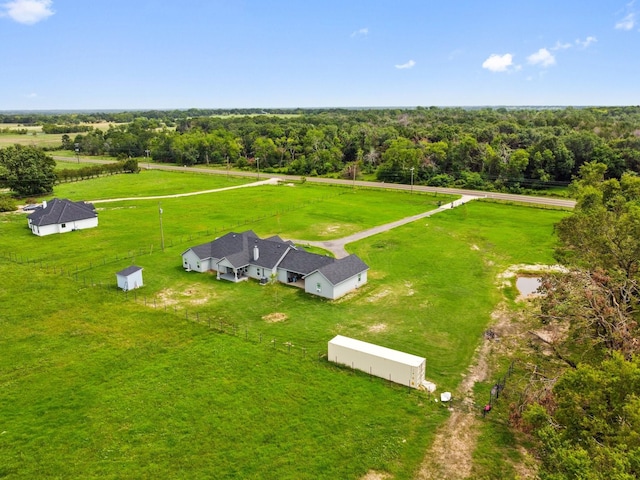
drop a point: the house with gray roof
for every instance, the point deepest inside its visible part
(62, 216)
(241, 256)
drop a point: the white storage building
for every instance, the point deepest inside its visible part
(393, 365)
(129, 278)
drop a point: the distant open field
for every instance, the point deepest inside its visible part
(98, 383)
(34, 138)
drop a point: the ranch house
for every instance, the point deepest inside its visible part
(239, 256)
(61, 216)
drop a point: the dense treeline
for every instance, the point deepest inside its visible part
(92, 171)
(505, 149)
(582, 398)
(53, 128)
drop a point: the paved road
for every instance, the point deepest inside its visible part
(556, 202)
(337, 246)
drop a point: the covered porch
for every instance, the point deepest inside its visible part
(234, 277)
(230, 273)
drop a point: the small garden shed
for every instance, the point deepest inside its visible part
(393, 365)
(130, 278)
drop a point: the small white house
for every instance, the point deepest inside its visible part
(62, 216)
(393, 365)
(130, 278)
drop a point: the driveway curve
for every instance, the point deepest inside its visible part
(337, 246)
(270, 181)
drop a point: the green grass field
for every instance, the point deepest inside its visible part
(183, 378)
(154, 182)
(33, 138)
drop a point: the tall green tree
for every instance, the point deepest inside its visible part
(604, 231)
(28, 170)
(585, 411)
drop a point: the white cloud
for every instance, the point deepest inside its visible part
(561, 46)
(498, 63)
(542, 57)
(32, 95)
(27, 11)
(627, 23)
(586, 42)
(362, 31)
(409, 64)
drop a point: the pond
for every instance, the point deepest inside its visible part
(528, 285)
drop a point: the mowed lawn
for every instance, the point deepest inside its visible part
(98, 383)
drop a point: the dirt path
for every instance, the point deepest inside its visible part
(270, 181)
(337, 246)
(451, 455)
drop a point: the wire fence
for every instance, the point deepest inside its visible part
(246, 332)
(497, 389)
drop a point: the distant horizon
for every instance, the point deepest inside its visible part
(266, 109)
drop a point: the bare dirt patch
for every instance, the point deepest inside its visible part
(373, 475)
(410, 290)
(169, 297)
(275, 317)
(331, 230)
(450, 454)
(377, 328)
(379, 295)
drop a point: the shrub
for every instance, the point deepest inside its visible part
(7, 204)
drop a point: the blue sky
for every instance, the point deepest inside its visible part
(159, 54)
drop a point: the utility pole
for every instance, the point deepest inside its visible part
(258, 162)
(161, 232)
(77, 146)
(355, 168)
(147, 152)
(412, 180)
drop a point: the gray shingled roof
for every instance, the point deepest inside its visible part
(60, 211)
(223, 246)
(270, 251)
(304, 263)
(343, 268)
(238, 250)
(128, 271)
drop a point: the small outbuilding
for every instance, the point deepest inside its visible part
(130, 278)
(383, 362)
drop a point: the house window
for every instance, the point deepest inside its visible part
(318, 287)
(359, 277)
(258, 271)
(64, 225)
